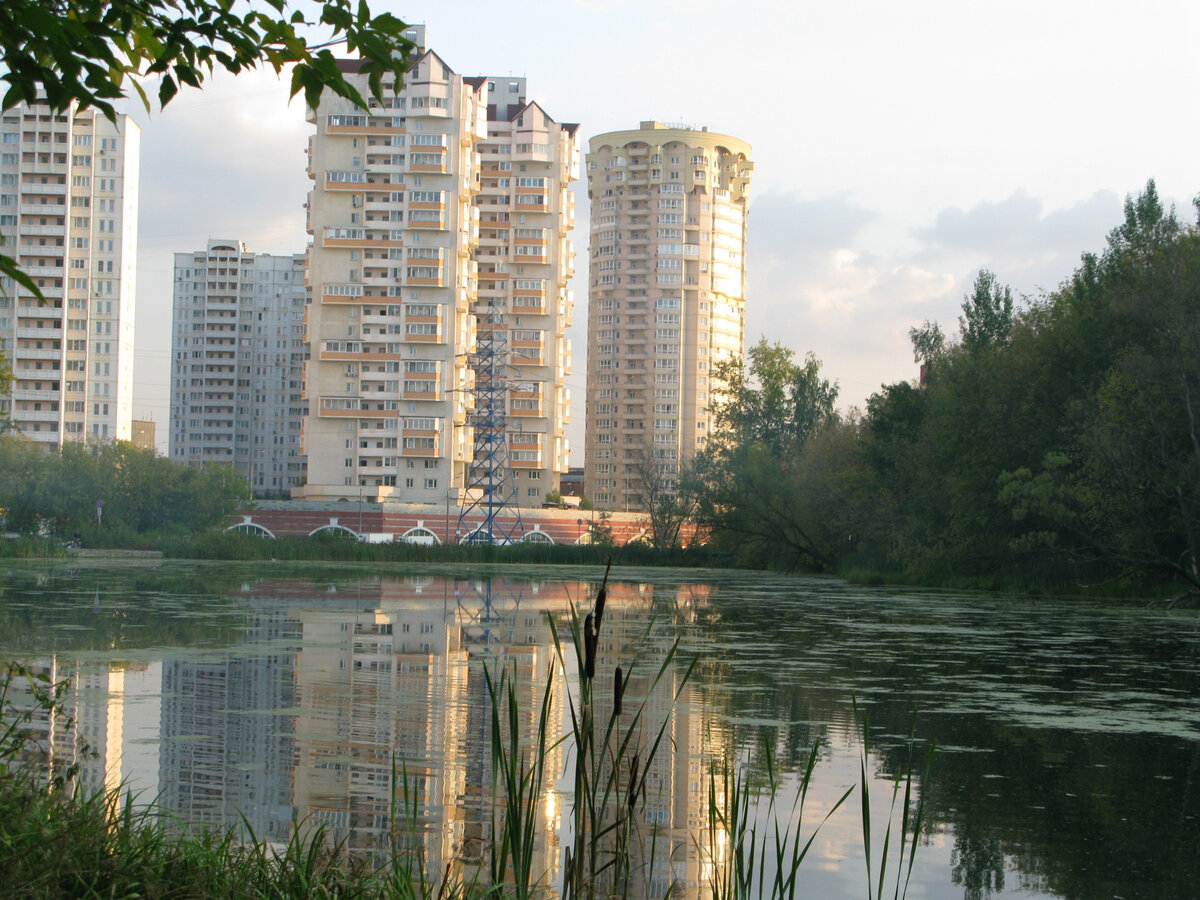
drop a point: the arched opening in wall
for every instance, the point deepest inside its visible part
(537, 536)
(334, 531)
(478, 535)
(251, 529)
(421, 536)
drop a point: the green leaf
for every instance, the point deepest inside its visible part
(10, 267)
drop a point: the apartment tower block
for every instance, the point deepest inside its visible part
(666, 299)
(237, 363)
(445, 202)
(68, 214)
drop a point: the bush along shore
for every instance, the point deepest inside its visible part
(58, 841)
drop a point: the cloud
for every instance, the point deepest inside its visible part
(782, 224)
(1026, 247)
(812, 285)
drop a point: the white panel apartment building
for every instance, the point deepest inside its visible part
(666, 298)
(398, 272)
(68, 212)
(237, 363)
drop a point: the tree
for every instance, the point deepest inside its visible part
(747, 482)
(141, 491)
(96, 52)
(769, 400)
(665, 497)
(928, 343)
(987, 317)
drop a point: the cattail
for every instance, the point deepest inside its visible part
(600, 600)
(617, 692)
(633, 774)
(589, 647)
(602, 596)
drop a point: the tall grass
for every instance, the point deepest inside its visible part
(740, 857)
(912, 815)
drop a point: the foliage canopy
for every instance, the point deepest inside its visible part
(1055, 445)
(140, 490)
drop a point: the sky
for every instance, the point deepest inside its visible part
(898, 149)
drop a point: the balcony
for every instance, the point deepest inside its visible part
(37, 187)
(389, 238)
(345, 181)
(366, 126)
(343, 237)
(342, 293)
(31, 415)
(40, 334)
(528, 305)
(43, 209)
(51, 230)
(416, 389)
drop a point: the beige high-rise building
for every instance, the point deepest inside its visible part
(68, 213)
(401, 272)
(666, 299)
(525, 259)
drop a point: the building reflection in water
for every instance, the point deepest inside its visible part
(364, 708)
(86, 728)
(227, 746)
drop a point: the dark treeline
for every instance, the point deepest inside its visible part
(55, 493)
(1051, 445)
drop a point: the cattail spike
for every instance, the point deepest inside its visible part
(601, 598)
(618, 690)
(633, 774)
(589, 647)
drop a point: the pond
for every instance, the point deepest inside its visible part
(1067, 734)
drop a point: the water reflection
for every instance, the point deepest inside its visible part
(360, 707)
(1069, 761)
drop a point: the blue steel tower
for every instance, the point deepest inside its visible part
(491, 490)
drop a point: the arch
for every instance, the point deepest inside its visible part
(470, 537)
(419, 535)
(251, 528)
(335, 530)
(642, 537)
(537, 536)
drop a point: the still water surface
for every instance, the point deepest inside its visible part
(1067, 734)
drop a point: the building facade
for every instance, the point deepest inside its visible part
(666, 299)
(68, 214)
(237, 363)
(524, 260)
(416, 233)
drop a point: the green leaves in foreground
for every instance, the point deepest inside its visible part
(96, 52)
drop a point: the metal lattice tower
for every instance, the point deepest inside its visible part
(491, 489)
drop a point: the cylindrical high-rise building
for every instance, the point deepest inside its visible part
(666, 297)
